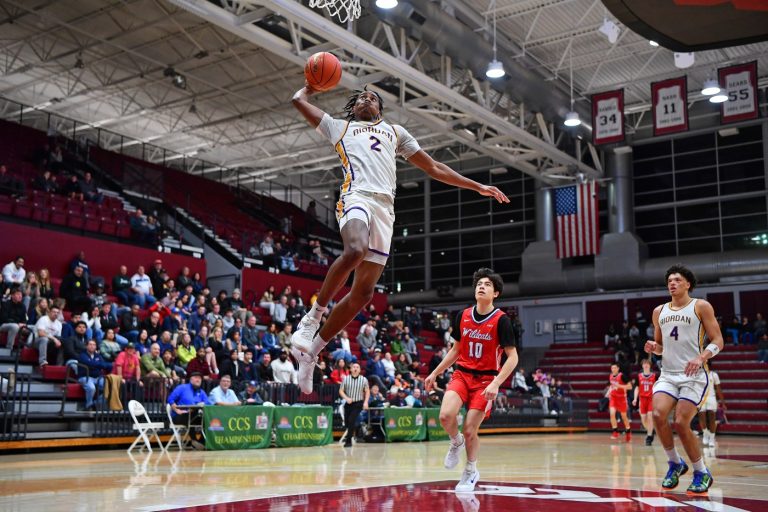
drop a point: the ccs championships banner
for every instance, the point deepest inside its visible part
(435, 430)
(403, 424)
(237, 428)
(303, 426)
(608, 117)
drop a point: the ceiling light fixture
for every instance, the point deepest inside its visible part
(684, 60)
(711, 87)
(610, 30)
(653, 43)
(572, 117)
(495, 67)
(720, 97)
(386, 4)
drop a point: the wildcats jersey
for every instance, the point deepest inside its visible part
(645, 382)
(618, 380)
(480, 349)
(682, 335)
(367, 152)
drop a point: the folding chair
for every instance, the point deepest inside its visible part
(179, 432)
(144, 427)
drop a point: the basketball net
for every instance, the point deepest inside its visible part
(345, 10)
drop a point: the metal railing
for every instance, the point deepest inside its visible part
(570, 332)
(14, 405)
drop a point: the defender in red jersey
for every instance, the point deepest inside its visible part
(482, 334)
(644, 391)
(618, 401)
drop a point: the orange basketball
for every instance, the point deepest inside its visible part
(323, 71)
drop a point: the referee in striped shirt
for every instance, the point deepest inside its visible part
(355, 392)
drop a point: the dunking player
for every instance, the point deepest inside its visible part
(644, 391)
(618, 402)
(482, 333)
(679, 327)
(367, 147)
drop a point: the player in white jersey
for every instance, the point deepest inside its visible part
(708, 413)
(367, 147)
(679, 329)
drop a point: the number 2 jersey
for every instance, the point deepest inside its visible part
(368, 152)
(483, 339)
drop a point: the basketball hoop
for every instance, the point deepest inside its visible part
(345, 10)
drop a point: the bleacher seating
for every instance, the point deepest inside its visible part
(586, 369)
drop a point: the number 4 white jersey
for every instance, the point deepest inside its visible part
(682, 335)
(367, 152)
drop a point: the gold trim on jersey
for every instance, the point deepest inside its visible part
(345, 165)
(682, 308)
(342, 134)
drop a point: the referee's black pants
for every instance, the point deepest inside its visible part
(351, 413)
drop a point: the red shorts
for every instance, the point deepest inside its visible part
(470, 389)
(645, 404)
(620, 404)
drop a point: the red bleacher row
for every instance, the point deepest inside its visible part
(586, 367)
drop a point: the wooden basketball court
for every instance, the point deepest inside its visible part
(552, 472)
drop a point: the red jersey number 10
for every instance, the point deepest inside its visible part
(475, 350)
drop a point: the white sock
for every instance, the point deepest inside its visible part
(672, 455)
(317, 311)
(318, 344)
(471, 465)
(457, 439)
(699, 465)
(712, 436)
(707, 433)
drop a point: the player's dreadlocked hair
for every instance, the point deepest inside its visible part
(349, 108)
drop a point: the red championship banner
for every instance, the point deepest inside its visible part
(739, 83)
(669, 105)
(608, 117)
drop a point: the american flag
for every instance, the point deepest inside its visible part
(577, 221)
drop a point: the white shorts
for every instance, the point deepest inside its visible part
(710, 404)
(682, 387)
(378, 212)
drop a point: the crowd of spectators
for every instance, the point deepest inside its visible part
(281, 250)
(740, 331)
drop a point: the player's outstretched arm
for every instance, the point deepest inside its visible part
(311, 113)
(441, 172)
(447, 361)
(507, 368)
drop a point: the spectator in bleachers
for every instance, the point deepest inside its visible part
(40, 308)
(437, 358)
(264, 369)
(13, 316)
(270, 341)
(10, 185)
(733, 329)
(611, 336)
(267, 251)
(169, 360)
(201, 338)
(92, 320)
(745, 331)
(389, 365)
(235, 327)
(121, 286)
(30, 289)
(74, 289)
(251, 335)
(72, 188)
(376, 372)
(153, 326)
(152, 365)
(141, 286)
(185, 351)
(250, 366)
(366, 338)
(200, 365)
(197, 318)
(217, 344)
(345, 350)
(79, 261)
(403, 368)
(236, 304)
(287, 293)
(143, 342)
(235, 368)
(250, 395)
(14, 274)
(46, 288)
(286, 257)
(156, 278)
(267, 300)
(519, 383)
(641, 322)
(166, 342)
(281, 311)
(214, 314)
(99, 296)
(412, 320)
(184, 279)
(223, 393)
(109, 347)
(340, 371)
(283, 371)
(299, 296)
(48, 329)
(284, 338)
(411, 351)
(127, 365)
(399, 399)
(294, 312)
(759, 326)
(90, 373)
(89, 190)
(46, 183)
(389, 315)
(414, 400)
(108, 320)
(197, 283)
(130, 323)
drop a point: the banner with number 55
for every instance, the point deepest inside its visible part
(669, 106)
(740, 85)
(608, 117)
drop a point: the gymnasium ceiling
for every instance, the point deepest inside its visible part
(105, 63)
